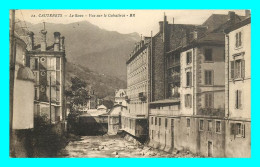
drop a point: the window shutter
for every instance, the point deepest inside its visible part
(243, 130)
(239, 99)
(206, 77)
(240, 39)
(243, 68)
(190, 79)
(206, 100)
(232, 70)
(190, 100)
(236, 99)
(232, 129)
(210, 77)
(236, 39)
(211, 100)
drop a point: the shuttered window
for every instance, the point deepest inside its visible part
(237, 129)
(209, 100)
(238, 102)
(188, 58)
(208, 77)
(188, 100)
(238, 39)
(188, 79)
(237, 69)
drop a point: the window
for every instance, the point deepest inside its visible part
(159, 121)
(166, 122)
(188, 79)
(208, 55)
(36, 64)
(208, 77)
(155, 120)
(201, 125)
(238, 39)
(238, 129)
(218, 126)
(188, 57)
(209, 125)
(238, 102)
(209, 100)
(237, 69)
(188, 100)
(188, 122)
(35, 93)
(172, 122)
(151, 120)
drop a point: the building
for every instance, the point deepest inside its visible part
(48, 66)
(187, 80)
(134, 121)
(114, 119)
(238, 89)
(120, 97)
(22, 100)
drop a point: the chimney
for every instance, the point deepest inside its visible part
(56, 41)
(232, 16)
(161, 26)
(248, 13)
(31, 37)
(43, 42)
(62, 43)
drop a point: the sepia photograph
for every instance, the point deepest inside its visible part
(130, 83)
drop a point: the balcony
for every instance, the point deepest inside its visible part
(165, 112)
(212, 112)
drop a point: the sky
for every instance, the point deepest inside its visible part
(143, 22)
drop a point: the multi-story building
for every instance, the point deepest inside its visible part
(238, 89)
(134, 120)
(188, 86)
(48, 66)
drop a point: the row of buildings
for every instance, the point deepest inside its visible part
(37, 75)
(189, 87)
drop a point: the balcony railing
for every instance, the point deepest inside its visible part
(212, 112)
(169, 112)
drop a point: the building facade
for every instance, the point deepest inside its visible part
(23, 101)
(134, 121)
(48, 66)
(238, 89)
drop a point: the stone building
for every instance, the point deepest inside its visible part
(134, 121)
(48, 66)
(238, 89)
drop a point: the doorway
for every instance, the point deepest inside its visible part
(210, 148)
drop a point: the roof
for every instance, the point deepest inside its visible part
(238, 25)
(117, 109)
(25, 73)
(213, 38)
(92, 113)
(166, 101)
(120, 93)
(101, 107)
(215, 21)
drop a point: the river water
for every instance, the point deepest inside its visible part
(111, 146)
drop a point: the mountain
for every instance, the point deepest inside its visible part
(103, 85)
(88, 45)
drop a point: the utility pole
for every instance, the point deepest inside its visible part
(11, 73)
(50, 97)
